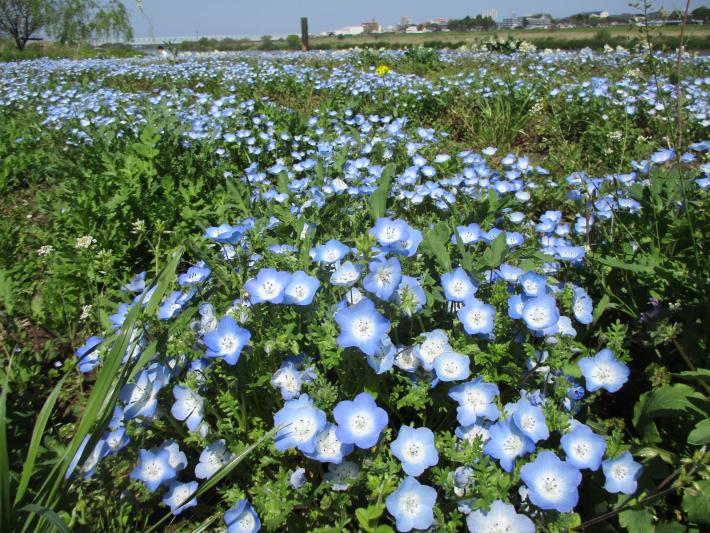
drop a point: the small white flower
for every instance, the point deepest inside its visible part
(85, 242)
(45, 250)
(85, 312)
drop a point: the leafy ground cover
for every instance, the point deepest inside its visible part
(378, 290)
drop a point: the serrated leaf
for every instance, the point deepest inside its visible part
(702, 374)
(637, 520)
(696, 503)
(701, 434)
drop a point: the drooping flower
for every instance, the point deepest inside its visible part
(621, 474)
(194, 276)
(383, 359)
(242, 518)
(476, 400)
(410, 296)
(227, 340)
(500, 517)
(583, 447)
(268, 286)
(412, 505)
(507, 443)
(361, 326)
(360, 421)
(177, 495)
(301, 421)
(552, 483)
(341, 475)
(173, 304)
(384, 277)
(188, 407)
(301, 289)
(153, 469)
(582, 306)
(604, 371)
(415, 448)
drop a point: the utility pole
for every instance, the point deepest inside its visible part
(304, 34)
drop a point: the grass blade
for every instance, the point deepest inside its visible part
(36, 440)
(49, 515)
(5, 509)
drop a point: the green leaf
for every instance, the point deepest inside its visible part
(495, 253)
(5, 509)
(36, 440)
(47, 514)
(701, 374)
(6, 292)
(603, 305)
(664, 401)
(637, 520)
(466, 256)
(618, 263)
(701, 434)
(696, 502)
(434, 245)
(378, 199)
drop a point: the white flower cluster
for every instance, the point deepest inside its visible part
(84, 242)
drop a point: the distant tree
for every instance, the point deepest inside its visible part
(22, 19)
(701, 13)
(267, 43)
(293, 42)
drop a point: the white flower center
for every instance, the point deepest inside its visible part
(512, 445)
(549, 484)
(363, 328)
(304, 428)
(361, 423)
(246, 521)
(153, 470)
(412, 451)
(603, 374)
(410, 503)
(473, 398)
(619, 472)
(269, 289)
(228, 343)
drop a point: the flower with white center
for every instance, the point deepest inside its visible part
(89, 354)
(330, 252)
(383, 359)
(242, 518)
(360, 421)
(187, 407)
(412, 505)
(176, 458)
(458, 286)
(477, 317)
(328, 448)
(530, 419)
(194, 275)
(84, 242)
(452, 366)
(604, 371)
(552, 483)
(415, 448)
(621, 474)
(507, 443)
(434, 344)
(533, 284)
(340, 476)
(301, 289)
(178, 494)
(153, 469)
(468, 234)
(475, 432)
(212, 458)
(476, 400)
(501, 518)
(384, 277)
(406, 359)
(583, 447)
(115, 440)
(141, 397)
(346, 275)
(361, 326)
(226, 341)
(300, 422)
(389, 232)
(268, 286)
(540, 313)
(288, 379)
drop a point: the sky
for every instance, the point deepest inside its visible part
(176, 18)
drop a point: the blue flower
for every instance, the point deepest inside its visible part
(452, 366)
(330, 252)
(242, 518)
(360, 421)
(227, 340)
(141, 397)
(224, 233)
(540, 313)
(187, 407)
(89, 465)
(552, 483)
(115, 440)
(477, 317)
(500, 517)
(174, 304)
(476, 400)
(389, 232)
(507, 443)
(415, 448)
(407, 247)
(604, 371)
(346, 275)
(458, 286)
(410, 296)
(194, 276)
(137, 283)
(468, 234)
(301, 421)
(434, 344)
(383, 359)
(341, 475)
(361, 326)
(533, 284)
(177, 494)
(153, 469)
(621, 474)
(297, 478)
(384, 277)
(412, 505)
(176, 458)
(301, 289)
(582, 306)
(288, 379)
(530, 419)
(583, 447)
(328, 448)
(212, 458)
(510, 273)
(88, 354)
(269, 286)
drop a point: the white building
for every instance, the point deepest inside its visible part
(350, 30)
(490, 13)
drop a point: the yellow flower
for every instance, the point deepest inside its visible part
(382, 70)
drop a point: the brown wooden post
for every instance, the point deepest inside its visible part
(304, 34)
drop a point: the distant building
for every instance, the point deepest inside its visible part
(350, 30)
(490, 13)
(543, 22)
(440, 21)
(511, 23)
(599, 15)
(371, 27)
(413, 29)
(405, 22)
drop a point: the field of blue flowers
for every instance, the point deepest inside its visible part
(356, 291)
